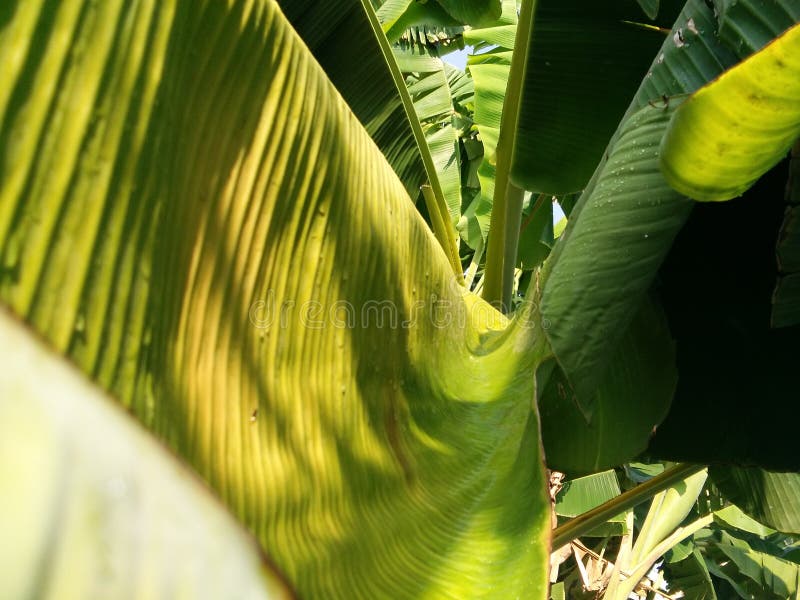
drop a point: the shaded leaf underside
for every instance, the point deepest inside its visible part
(585, 61)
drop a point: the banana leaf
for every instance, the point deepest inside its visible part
(94, 507)
(193, 216)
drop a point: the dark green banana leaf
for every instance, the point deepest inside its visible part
(340, 36)
(594, 278)
(585, 62)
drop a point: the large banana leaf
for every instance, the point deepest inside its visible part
(732, 131)
(192, 214)
(93, 507)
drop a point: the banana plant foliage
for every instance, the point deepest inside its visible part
(201, 212)
(177, 224)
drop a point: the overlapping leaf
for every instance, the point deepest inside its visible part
(691, 577)
(93, 507)
(730, 132)
(771, 498)
(626, 220)
(751, 573)
(606, 430)
(194, 216)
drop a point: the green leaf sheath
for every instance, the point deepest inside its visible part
(733, 130)
(193, 215)
(501, 248)
(94, 507)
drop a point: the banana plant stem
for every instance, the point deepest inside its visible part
(504, 224)
(589, 520)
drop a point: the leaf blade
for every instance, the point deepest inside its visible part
(730, 132)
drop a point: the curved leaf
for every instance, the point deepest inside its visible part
(630, 401)
(650, 7)
(606, 259)
(93, 507)
(593, 283)
(196, 218)
(733, 130)
(770, 498)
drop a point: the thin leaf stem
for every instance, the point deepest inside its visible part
(589, 520)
